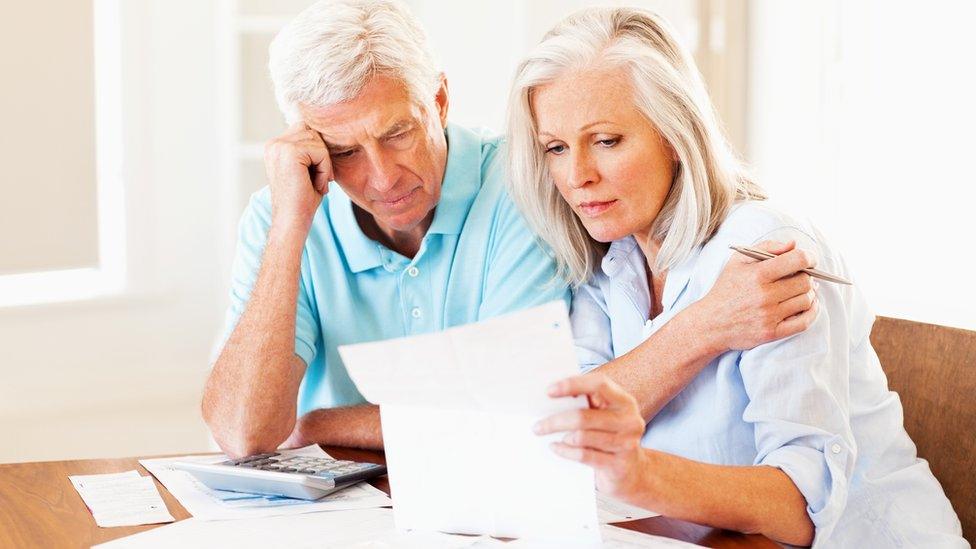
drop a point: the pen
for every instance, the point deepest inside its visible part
(762, 255)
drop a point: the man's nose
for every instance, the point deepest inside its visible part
(383, 172)
(582, 171)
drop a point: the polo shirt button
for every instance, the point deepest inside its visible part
(835, 448)
(415, 312)
(413, 271)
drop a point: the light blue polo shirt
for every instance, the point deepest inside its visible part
(478, 260)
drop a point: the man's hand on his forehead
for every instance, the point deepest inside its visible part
(299, 170)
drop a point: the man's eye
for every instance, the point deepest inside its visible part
(343, 154)
(556, 149)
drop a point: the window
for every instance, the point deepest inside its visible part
(61, 212)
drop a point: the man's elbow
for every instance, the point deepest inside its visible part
(240, 438)
(243, 443)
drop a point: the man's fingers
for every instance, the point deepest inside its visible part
(321, 182)
(798, 323)
(787, 264)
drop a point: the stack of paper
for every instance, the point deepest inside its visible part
(359, 529)
(207, 504)
(122, 499)
(362, 528)
(457, 409)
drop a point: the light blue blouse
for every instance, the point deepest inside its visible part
(815, 405)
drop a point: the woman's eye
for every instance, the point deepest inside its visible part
(556, 149)
(608, 142)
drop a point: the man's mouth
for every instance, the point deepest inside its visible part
(396, 201)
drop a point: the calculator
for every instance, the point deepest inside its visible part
(301, 477)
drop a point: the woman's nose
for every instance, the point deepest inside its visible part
(582, 172)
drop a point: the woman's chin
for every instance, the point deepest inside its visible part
(606, 234)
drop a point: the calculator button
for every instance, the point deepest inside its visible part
(288, 469)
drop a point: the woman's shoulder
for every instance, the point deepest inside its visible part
(749, 223)
(753, 221)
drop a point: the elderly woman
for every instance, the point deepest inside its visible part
(620, 166)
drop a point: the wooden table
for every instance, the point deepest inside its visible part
(40, 508)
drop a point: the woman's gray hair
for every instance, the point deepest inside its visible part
(669, 91)
(330, 51)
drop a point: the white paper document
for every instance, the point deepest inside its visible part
(358, 529)
(621, 538)
(613, 538)
(613, 510)
(207, 504)
(121, 499)
(457, 409)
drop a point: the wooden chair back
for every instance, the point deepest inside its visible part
(933, 370)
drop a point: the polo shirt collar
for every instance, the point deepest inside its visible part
(462, 181)
(361, 252)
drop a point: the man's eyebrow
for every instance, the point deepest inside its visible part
(335, 148)
(397, 127)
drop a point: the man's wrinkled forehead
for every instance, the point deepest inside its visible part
(380, 110)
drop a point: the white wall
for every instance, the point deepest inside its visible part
(862, 117)
(479, 44)
(122, 375)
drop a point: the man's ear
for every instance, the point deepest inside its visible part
(442, 101)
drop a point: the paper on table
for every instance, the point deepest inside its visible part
(613, 538)
(457, 410)
(613, 510)
(622, 538)
(362, 529)
(121, 499)
(206, 504)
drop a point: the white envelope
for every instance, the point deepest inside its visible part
(457, 410)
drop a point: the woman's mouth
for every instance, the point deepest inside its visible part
(593, 209)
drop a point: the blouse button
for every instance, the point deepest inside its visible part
(835, 448)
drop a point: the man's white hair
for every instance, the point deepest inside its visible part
(330, 51)
(669, 92)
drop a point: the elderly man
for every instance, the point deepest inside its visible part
(418, 235)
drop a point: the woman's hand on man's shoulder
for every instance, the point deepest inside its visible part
(755, 302)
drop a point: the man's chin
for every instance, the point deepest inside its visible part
(404, 222)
